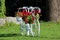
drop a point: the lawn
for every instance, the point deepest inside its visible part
(49, 31)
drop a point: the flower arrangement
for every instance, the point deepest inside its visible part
(27, 16)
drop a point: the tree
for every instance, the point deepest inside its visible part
(54, 10)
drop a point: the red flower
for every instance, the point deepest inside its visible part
(36, 11)
(25, 14)
(33, 18)
(28, 13)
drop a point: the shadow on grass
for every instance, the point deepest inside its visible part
(9, 35)
(13, 35)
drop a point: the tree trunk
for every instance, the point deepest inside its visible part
(54, 10)
(58, 10)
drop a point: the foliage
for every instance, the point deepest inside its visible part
(2, 8)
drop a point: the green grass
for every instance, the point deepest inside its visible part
(49, 31)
